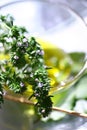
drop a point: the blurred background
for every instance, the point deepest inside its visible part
(62, 122)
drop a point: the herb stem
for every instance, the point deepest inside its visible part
(25, 101)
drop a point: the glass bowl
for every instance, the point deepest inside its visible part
(60, 30)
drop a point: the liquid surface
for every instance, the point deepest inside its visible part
(58, 60)
(55, 58)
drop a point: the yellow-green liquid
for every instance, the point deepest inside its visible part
(58, 60)
(55, 58)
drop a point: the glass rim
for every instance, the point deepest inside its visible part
(65, 5)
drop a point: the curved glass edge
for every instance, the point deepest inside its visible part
(8, 2)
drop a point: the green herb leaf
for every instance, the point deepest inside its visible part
(25, 65)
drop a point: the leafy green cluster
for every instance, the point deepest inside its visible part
(24, 65)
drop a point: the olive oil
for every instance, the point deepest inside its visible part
(55, 58)
(58, 60)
